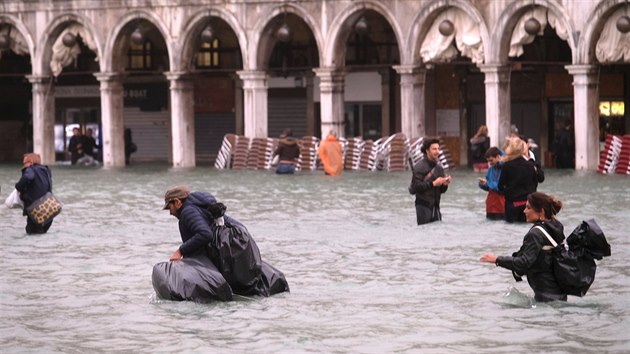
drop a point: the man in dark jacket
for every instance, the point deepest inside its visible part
(35, 182)
(428, 183)
(195, 221)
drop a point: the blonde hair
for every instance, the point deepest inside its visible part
(33, 158)
(514, 149)
(483, 130)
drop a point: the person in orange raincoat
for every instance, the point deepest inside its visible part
(331, 155)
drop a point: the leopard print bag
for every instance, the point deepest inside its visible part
(44, 209)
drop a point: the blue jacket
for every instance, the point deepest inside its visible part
(196, 225)
(35, 182)
(492, 178)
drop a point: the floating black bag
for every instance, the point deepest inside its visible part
(191, 278)
(272, 282)
(575, 267)
(235, 253)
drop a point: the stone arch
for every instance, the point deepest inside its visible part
(340, 30)
(53, 30)
(19, 25)
(261, 43)
(114, 43)
(424, 19)
(193, 26)
(593, 27)
(500, 44)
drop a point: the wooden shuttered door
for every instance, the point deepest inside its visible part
(210, 128)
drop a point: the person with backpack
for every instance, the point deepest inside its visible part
(535, 259)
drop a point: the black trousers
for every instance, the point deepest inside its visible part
(34, 228)
(425, 215)
(514, 210)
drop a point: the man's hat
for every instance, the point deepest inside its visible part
(178, 192)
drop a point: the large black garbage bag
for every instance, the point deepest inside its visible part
(588, 236)
(191, 278)
(235, 253)
(272, 281)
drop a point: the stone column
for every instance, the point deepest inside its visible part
(498, 108)
(254, 103)
(182, 119)
(385, 101)
(112, 119)
(310, 104)
(586, 111)
(412, 102)
(331, 87)
(43, 117)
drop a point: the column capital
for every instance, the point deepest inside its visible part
(246, 75)
(409, 69)
(328, 72)
(582, 69)
(38, 79)
(108, 76)
(494, 68)
(177, 75)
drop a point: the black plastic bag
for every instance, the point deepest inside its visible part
(235, 253)
(191, 278)
(574, 271)
(588, 236)
(272, 281)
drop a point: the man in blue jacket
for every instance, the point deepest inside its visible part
(495, 201)
(195, 221)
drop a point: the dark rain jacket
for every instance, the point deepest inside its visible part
(424, 173)
(196, 224)
(534, 262)
(518, 179)
(35, 182)
(288, 149)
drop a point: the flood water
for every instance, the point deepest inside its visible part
(363, 276)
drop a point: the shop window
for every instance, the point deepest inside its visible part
(140, 56)
(208, 55)
(611, 118)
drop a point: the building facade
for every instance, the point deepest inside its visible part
(180, 76)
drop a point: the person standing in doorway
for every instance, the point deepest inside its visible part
(75, 147)
(479, 144)
(428, 183)
(331, 155)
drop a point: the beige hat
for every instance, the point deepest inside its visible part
(178, 192)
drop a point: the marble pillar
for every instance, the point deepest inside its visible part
(112, 122)
(254, 103)
(182, 119)
(331, 87)
(43, 117)
(412, 102)
(586, 112)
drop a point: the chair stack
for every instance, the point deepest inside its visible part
(224, 157)
(609, 157)
(241, 153)
(415, 150)
(308, 153)
(260, 154)
(397, 153)
(354, 147)
(368, 155)
(445, 157)
(623, 164)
